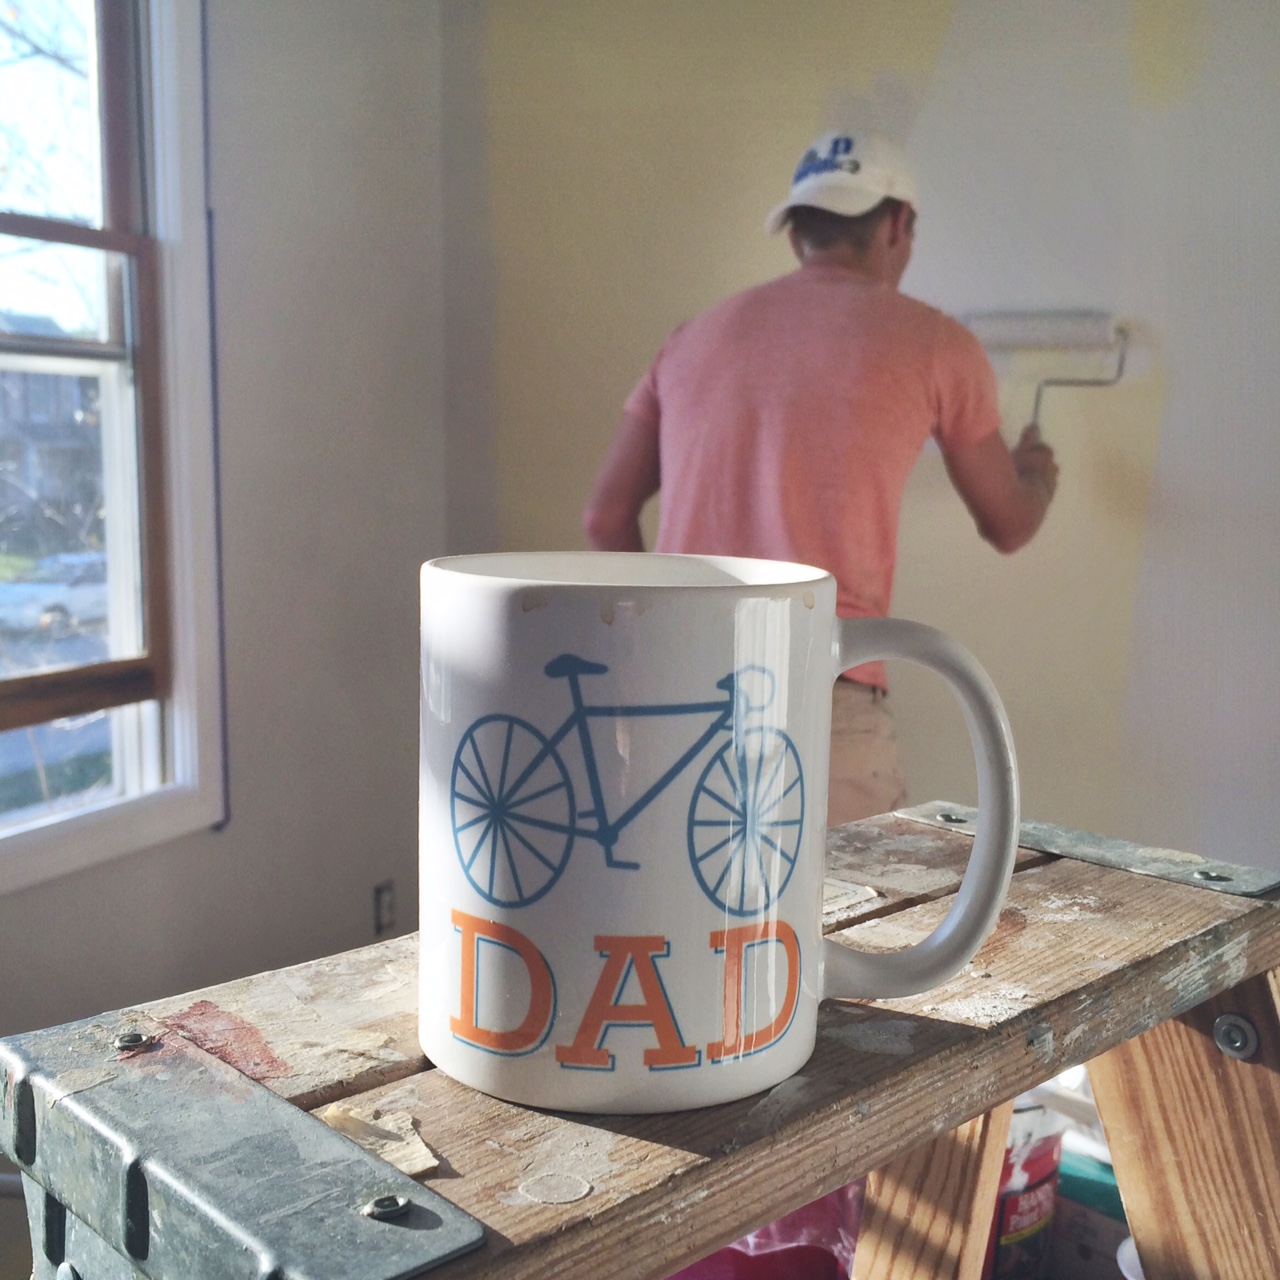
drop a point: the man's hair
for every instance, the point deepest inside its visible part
(822, 229)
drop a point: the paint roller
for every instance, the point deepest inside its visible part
(1083, 331)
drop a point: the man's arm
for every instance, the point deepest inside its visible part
(1007, 491)
(629, 477)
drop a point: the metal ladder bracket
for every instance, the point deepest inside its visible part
(161, 1161)
(1163, 864)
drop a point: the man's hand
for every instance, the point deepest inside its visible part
(1006, 490)
(1034, 462)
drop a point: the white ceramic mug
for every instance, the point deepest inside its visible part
(622, 824)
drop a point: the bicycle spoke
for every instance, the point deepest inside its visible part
(753, 868)
(544, 753)
(779, 822)
(480, 817)
(760, 759)
(511, 862)
(506, 756)
(487, 797)
(734, 783)
(720, 879)
(546, 862)
(476, 801)
(773, 844)
(742, 876)
(475, 853)
(541, 823)
(778, 764)
(487, 788)
(702, 857)
(734, 809)
(764, 873)
(493, 860)
(478, 798)
(791, 786)
(537, 795)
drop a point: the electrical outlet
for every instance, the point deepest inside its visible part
(384, 907)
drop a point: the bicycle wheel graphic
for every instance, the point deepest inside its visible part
(746, 819)
(513, 810)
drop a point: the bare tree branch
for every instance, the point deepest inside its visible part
(38, 50)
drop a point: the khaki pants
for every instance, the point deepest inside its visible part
(866, 777)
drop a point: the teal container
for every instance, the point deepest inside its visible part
(1091, 1183)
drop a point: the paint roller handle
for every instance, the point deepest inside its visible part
(1035, 464)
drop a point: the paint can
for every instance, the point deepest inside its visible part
(1018, 1247)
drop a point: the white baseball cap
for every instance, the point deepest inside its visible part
(848, 175)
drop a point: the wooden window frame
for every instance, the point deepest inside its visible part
(136, 328)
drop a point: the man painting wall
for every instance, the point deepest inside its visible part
(783, 423)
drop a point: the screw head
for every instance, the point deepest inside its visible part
(133, 1040)
(1236, 1036)
(385, 1208)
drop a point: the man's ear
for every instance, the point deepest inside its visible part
(794, 240)
(900, 220)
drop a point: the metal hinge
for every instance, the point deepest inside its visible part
(1163, 864)
(144, 1156)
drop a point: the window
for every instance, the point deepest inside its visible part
(108, 670)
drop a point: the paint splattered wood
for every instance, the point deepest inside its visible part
(1192, 1134)
(886, 864)
(1082, 959)
(316, 1032)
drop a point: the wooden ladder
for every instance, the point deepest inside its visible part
(1191, 1111)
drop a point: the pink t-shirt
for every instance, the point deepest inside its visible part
(790, 417)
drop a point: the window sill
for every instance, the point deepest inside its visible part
(61, 844)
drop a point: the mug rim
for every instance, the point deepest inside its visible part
(621, 569)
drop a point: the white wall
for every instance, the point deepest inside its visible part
(325, 158)
(1089, 154)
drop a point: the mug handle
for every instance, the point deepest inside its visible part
(851, 974)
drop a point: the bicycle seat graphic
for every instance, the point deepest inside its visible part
(516, 815)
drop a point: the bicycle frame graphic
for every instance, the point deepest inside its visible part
(516, 816)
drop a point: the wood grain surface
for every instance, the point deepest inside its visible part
(927, 1214)
(1193, 1136)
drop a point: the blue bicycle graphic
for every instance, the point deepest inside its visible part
(516, 817)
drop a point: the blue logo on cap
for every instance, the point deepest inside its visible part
(839, 156)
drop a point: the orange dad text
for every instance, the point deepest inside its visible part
(622, 957)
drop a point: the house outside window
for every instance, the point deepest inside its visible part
(109, 695)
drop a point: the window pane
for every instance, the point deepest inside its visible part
(75, 762)
(55, 290)
(50, 148)
(69, 579)
(54, 765)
